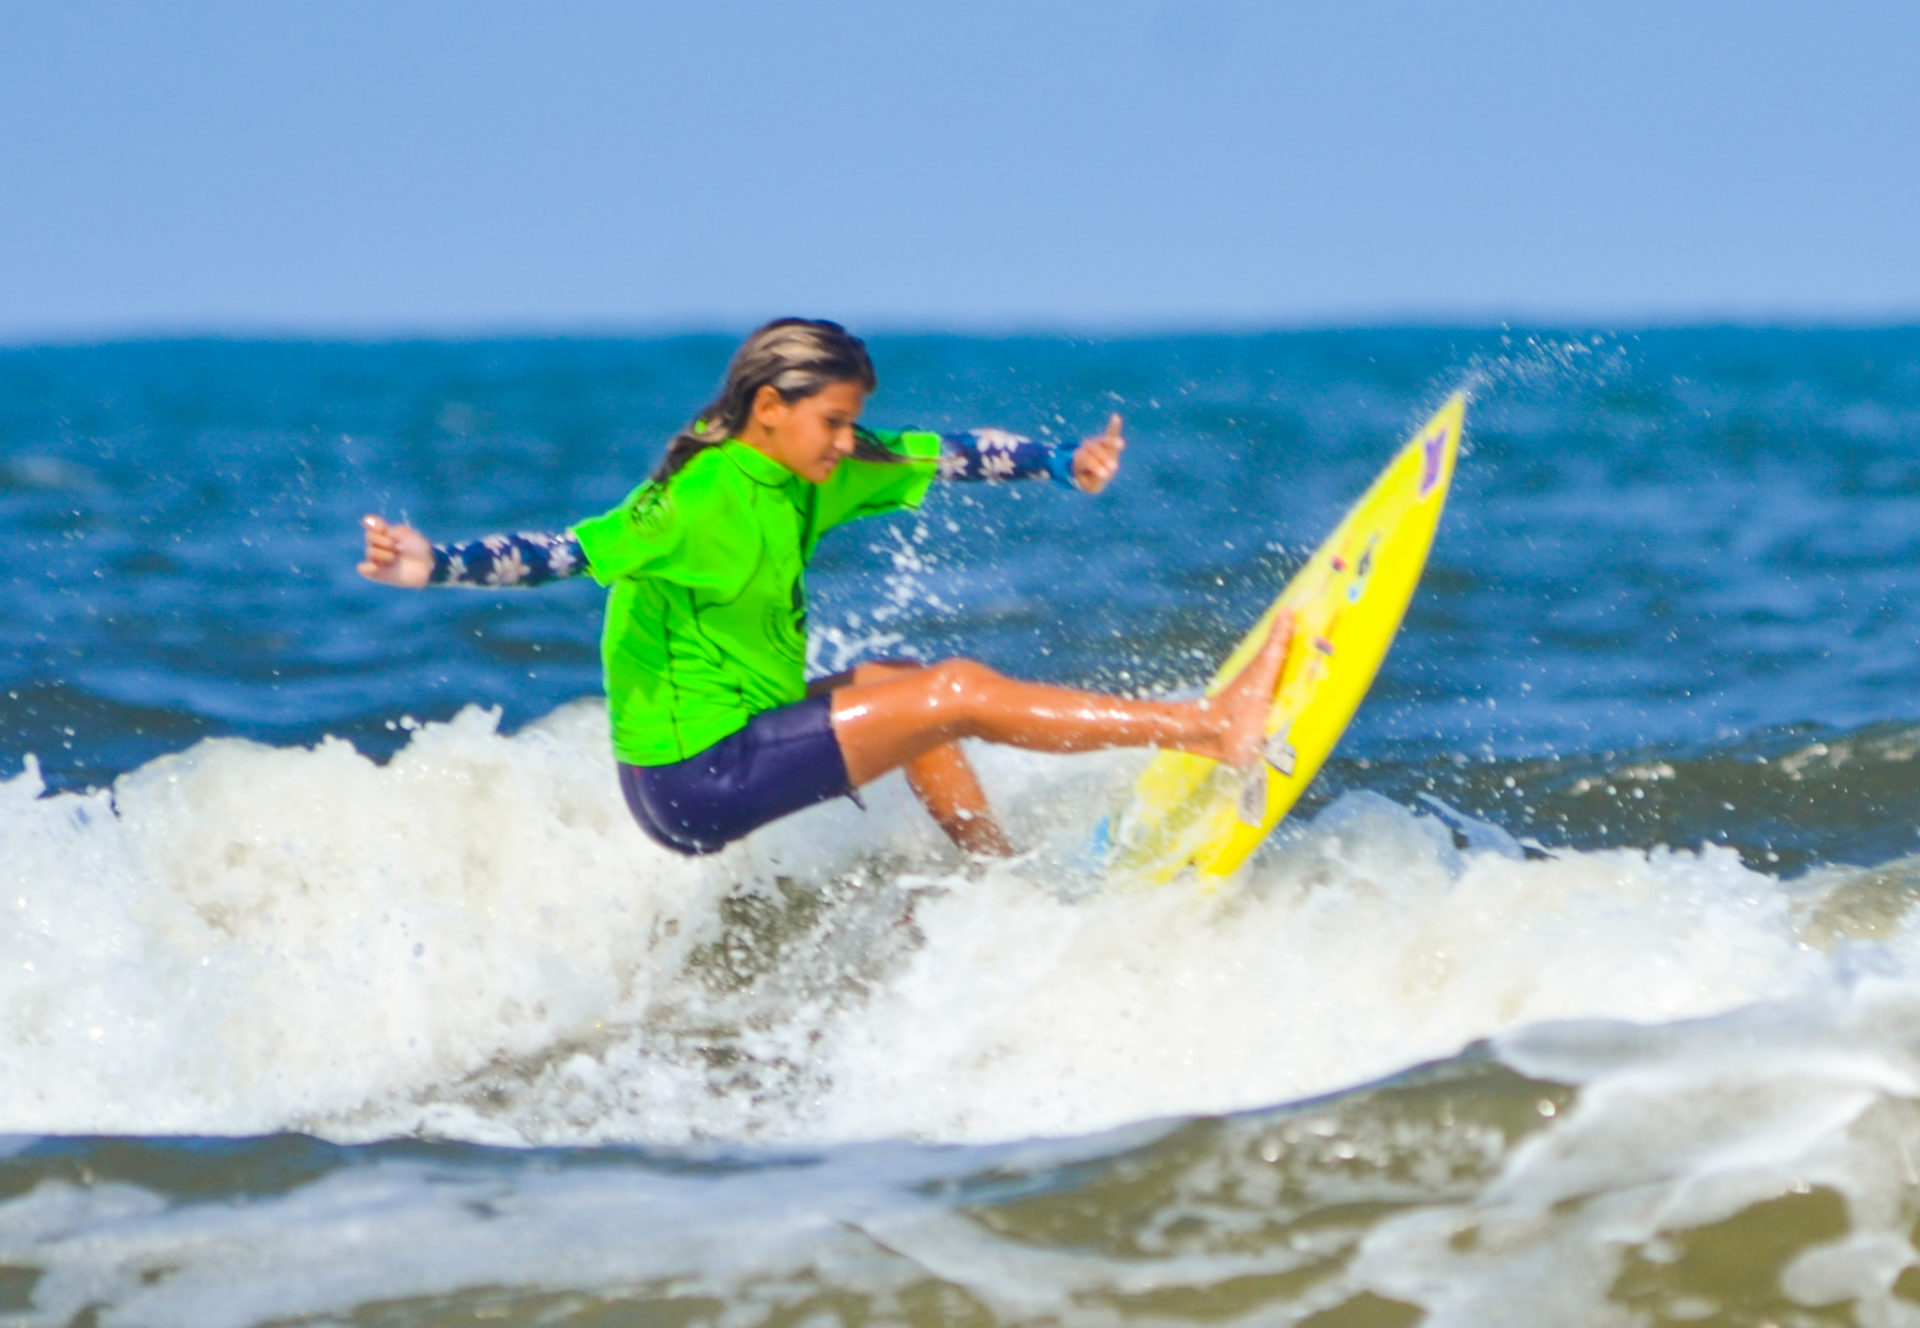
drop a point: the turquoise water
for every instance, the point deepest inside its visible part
(1580, 990)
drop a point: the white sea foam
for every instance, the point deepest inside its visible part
(1674, 1128)
(524, 1247)
(473, 941)
(1677, 1129)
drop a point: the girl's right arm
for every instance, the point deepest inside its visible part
(402, 556)
(995, 454)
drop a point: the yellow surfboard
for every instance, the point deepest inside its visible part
(1347, 602)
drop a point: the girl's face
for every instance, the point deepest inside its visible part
(809, 436)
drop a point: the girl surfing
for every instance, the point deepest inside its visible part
(715, 728)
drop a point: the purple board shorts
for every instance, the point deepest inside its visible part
(782, 761)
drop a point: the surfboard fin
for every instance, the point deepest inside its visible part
(1253, 796)
(1280, 753)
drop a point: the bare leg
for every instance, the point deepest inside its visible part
(885, 724)
(942, 778)
(944, 782)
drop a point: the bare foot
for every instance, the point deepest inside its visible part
(1240, 709)
(980, 837)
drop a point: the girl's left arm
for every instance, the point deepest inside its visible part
(399, 555)
(995, 454)
(523, 559)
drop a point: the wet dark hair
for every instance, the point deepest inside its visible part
(796, 357)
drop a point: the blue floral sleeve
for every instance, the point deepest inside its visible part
(995, 454)
(525, 558)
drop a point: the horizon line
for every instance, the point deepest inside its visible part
(401, 332)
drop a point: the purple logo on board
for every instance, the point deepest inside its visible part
(1433, 446)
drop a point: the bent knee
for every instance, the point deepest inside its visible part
(962, 680)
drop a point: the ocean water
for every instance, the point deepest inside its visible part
(1584, 988)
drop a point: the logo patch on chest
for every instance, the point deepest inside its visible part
(651, 510)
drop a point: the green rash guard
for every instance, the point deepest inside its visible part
(706, 620)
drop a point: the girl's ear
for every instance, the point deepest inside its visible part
(769, 407)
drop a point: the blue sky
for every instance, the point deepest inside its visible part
(340, 166)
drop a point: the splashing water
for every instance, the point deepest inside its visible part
(472, 941)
